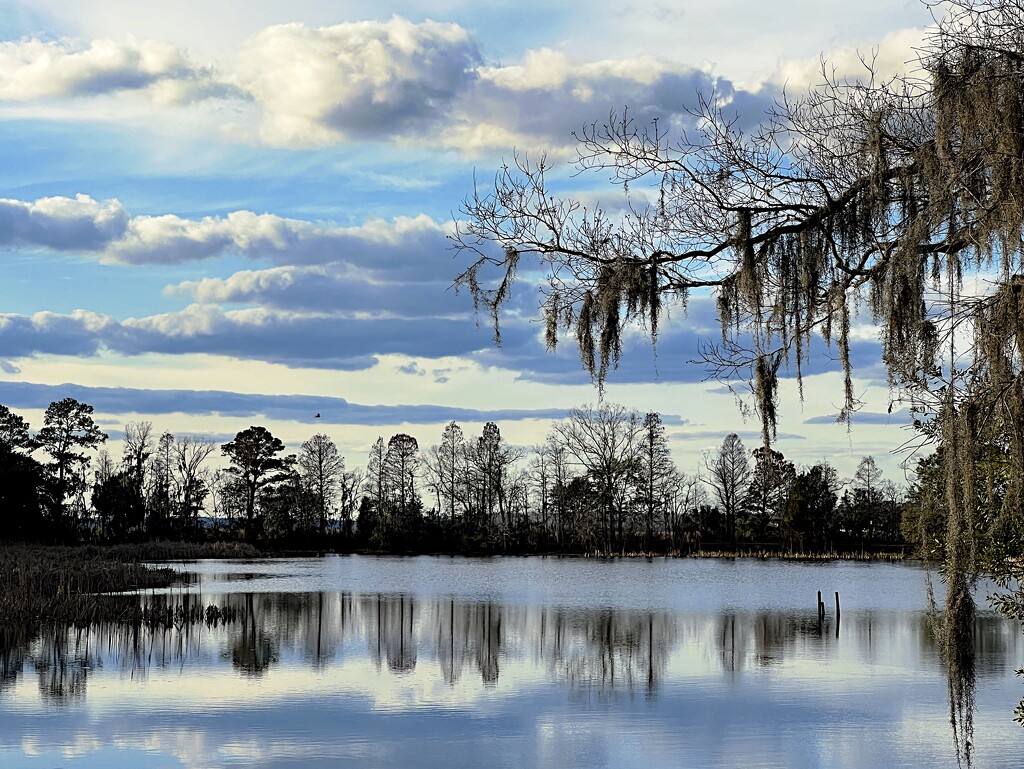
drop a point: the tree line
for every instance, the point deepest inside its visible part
(603, 480)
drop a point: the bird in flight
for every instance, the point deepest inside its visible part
(317, 415)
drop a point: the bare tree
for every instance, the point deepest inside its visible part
(348, 498)
(138, 448)
(655, 470)
(376, 475)
(552, 474)
(728, 475)
(449, 452)
(161, 496)
(444, 464)
(322, 468)
(401, 468)
(604, 441)
(685, 497)
(190, 452)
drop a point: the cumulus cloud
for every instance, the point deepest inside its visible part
(61, 223)
(336, 288)
(36, 69)
(427, 84)
(374, 246)
(549, 96)
(365, 79)
(79, 333)
(423, 83)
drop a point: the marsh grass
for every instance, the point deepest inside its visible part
(85, 585)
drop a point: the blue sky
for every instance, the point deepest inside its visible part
(247, 203)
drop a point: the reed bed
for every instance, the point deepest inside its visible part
(70, 585)
(787, 556)
(762, 554)
(171, 551)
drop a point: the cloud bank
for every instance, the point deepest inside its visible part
(295, 408)
(424, 83)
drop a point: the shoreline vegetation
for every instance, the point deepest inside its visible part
(82, 585)
(85, 584)
(604, 481)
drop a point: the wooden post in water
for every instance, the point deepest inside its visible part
(837, 614)
(821, 609)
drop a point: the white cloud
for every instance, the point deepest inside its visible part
(545, 69)
(364, 79)
(896, 54)
(548, 96)
(418, 83)
(397, 247)
(61, 223)
(38, 69)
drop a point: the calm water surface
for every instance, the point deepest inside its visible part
(520, 662)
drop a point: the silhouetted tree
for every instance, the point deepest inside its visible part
(191, 479)
(119, 504)
(604, 441)
(728, 475)
(254, 461)
(23, 483)
(14, 431)
(138, 448)
(810, 511)
(68, 430)
(401, 468)
(766, 496)
(655, 472)
(321, 468)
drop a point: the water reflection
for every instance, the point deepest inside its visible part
(565, 664)
(603, 652)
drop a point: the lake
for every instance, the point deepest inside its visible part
(359, 661)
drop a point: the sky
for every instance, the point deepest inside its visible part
(225, 213)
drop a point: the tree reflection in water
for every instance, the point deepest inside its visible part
(598, 654)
